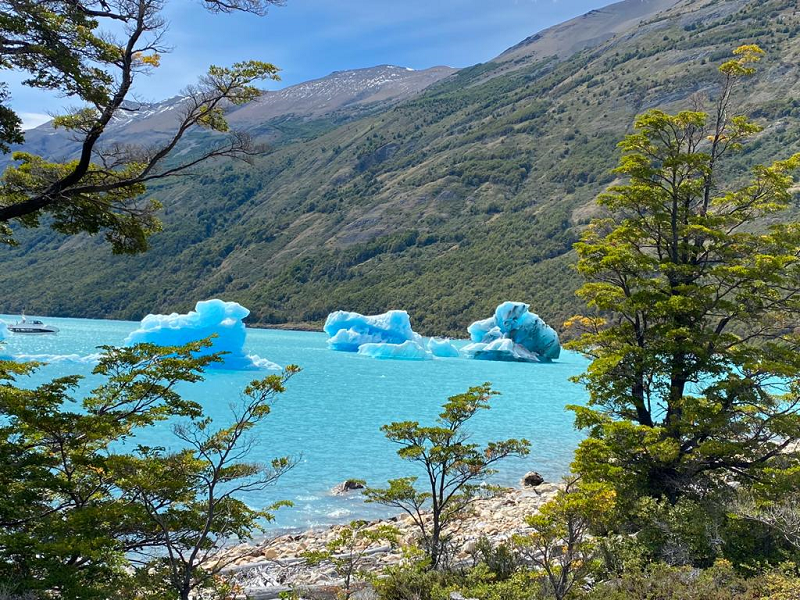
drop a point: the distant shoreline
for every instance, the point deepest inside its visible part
(302, 326)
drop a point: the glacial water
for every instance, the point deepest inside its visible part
(330, 417)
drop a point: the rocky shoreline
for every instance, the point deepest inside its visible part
(262, 571)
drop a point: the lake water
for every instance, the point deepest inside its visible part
(330, 417)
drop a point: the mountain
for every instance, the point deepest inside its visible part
(586, 31)
(343, 94)
(340, 90)
(443, 203)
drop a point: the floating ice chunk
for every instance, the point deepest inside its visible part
(3, 330)
(209, 317)
(503, 349)
(513, 334)
(442, 348)
(263, 363)
(349, 330)
(480, 329)
(408, 350)
(527, 329)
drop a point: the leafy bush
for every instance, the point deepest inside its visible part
(719, 582)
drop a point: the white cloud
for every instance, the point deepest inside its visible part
(31, 120)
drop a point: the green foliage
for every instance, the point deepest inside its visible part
(346, 551)
(719, 582)
(417, 583)
(64, 46)
(560, 544)
(10, 123)
(76, 511)
(120, 212)
(502, 560)
(454, 470)
(697, 311)
(413, 581)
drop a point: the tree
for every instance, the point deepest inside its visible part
(696, 289)
(190, 497)
(561, 545)
(10, 123)
(454, 469)
(70, 517)
(61, 527)
(67, 46)
(348, 550)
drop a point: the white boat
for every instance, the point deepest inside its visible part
(32, 326)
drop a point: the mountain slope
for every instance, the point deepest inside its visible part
(585, 31)
(444, 204)
(345, 94)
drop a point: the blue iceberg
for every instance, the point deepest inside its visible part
(408, 350)
(3, 330)
(209, 317)
(513, 334)
(349, 330)
(442, 348)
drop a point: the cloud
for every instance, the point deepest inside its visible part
(31, 120)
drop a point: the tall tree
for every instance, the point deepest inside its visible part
(694, 379)
(67, 46)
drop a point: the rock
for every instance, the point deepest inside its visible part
(349, 485)
(532, 479)
(547, 489)
(458, 596)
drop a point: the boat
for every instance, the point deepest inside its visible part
(32, 326)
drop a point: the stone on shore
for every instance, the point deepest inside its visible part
(532, 479)
(347, 486)
(277, 563)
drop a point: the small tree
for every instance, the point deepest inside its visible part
(348, 550)
(189, 496)
(454, 469)
(561, 545)
(696, 289)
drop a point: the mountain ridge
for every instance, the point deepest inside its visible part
(153, 122)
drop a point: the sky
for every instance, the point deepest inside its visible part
(308, 39)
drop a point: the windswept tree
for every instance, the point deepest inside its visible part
(94, 51)
(696, 286)
(454, 470)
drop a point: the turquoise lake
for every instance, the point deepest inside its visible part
(330, 417)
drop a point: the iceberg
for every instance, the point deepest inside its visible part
(209, 317)
(3, 330)
(408, 350)
(348, 331)
(513, 334)
(442, 348)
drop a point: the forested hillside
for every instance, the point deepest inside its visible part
(445, 204)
